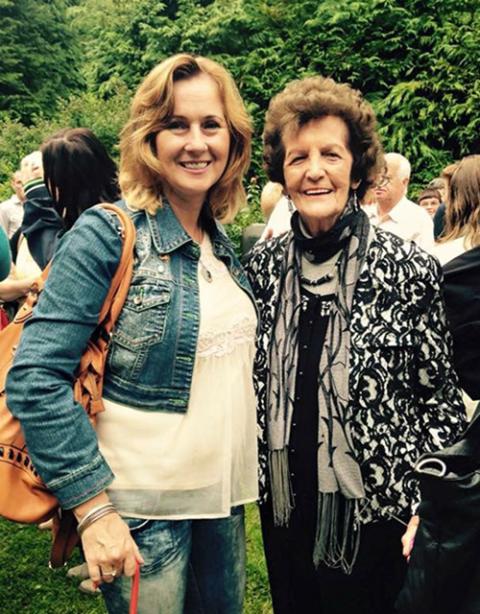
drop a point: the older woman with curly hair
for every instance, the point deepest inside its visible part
(163, 480)
(353, 367)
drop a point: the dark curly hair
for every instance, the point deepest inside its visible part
(304, 100)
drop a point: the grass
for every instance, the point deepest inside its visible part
(28, 586)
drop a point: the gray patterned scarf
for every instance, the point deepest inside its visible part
(339, 478)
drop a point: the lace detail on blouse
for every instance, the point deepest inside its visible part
(214, 343)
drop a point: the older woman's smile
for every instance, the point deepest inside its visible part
(317, 170)
(317, 192)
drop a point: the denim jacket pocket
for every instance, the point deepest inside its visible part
(141, 324)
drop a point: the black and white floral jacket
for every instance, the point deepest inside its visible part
(404, 397)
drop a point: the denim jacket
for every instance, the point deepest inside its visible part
(152, 352)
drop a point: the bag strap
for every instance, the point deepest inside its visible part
(65, 538)
(92, 364)
(121, 282)
(89, 375)
(125, 265)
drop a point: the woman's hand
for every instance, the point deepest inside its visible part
(408, 538)
(12, 289)
(108, 546)
(109, 549)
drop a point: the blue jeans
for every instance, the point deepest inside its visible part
(191, 567)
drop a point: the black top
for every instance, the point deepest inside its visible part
(303, 442)
(439, 221)
(42, 226)
(462, 302)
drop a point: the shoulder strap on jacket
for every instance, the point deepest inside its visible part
(121, 282)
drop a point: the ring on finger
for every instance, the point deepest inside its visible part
(112, 573)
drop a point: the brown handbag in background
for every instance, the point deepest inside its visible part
(23, 496)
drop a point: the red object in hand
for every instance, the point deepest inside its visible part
(135, 590)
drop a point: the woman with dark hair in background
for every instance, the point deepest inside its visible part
(74, 173)
(353, 370)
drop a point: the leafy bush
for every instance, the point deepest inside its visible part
(104, 117)
(416, 62)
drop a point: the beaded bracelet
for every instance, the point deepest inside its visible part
(93, 515)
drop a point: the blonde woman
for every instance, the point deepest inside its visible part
(163, 480)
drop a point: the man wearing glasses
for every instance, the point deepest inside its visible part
(393, 211)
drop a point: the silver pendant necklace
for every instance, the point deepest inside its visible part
(206, 274)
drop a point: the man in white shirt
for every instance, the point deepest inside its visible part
(11, 210)
(393, 211)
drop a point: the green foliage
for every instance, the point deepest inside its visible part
(416, 61)
(105, 117)
(37, 59)
(250, 214)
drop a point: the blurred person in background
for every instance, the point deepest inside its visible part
(462, 215)
(11, 210)
(277, 210)
(272, 192)
(429, 199)
(24, 270)
(441, 184)
(71, 173)
(393, 211)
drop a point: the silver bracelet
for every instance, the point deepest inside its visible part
(93, 515)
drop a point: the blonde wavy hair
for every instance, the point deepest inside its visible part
(304, 100)
(462, 214)
(140, 175)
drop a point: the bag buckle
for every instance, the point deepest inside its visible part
(432, 466)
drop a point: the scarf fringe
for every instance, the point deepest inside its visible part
(337, 538)
(281, 487)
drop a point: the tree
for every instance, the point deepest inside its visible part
(415, 61)
(38, 57)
